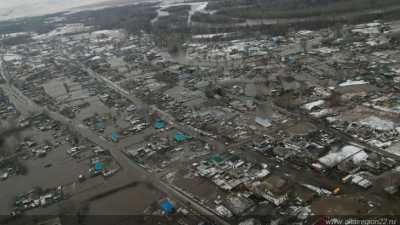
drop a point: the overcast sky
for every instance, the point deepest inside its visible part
(19, 8)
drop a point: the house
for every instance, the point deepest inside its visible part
(223, 211)
(265, 122)
(274, 189)
(361, 179)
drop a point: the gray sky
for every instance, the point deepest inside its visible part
(20, 8)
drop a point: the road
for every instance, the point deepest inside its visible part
(132, 171)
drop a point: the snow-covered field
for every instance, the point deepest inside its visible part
(11, 9)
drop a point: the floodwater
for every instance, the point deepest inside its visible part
(130, 201)
(63, 171)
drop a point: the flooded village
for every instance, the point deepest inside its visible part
(225, 128)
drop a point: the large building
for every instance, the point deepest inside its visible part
(274, 189)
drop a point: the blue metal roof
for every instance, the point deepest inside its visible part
(100, 125)
(160, 124)
(98, 166)
(114, 136)
(180, 137)
(167, 207)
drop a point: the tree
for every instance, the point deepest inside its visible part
(304, 44)
(335, 99)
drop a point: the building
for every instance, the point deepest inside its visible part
(160, 124)
(115, 136)
(274, 189)
(265, 122)
(167, 207)
(98, 167)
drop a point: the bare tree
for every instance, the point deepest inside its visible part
(304, 44)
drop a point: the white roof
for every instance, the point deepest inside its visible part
(311, 105)
(265, 122)
(347, 152)
(378, 123)
(352, 82)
